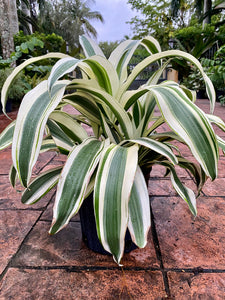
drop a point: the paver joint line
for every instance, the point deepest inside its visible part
(83, 268)
(158, 253)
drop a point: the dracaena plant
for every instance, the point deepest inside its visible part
(127, 139)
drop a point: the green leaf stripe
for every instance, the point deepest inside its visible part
(139, 210)
(157, 147)
(74, 180)
(167, 54)
(183, 191)
(16, 71)
(90, 47)
(113, 185)
(191, 124)
(41, 185)
(62, 67)
(70, 126)
(6, 136)
(30, 124)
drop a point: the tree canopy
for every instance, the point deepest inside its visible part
(69, 18)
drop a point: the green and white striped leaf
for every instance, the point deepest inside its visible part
(105, 73)
(90, 47)
(170, 54)
(183, 191)
(121, 56)
(70, 126)
(217, 121)
(62, 141)
(48, 145)
(41, 185)
(104, 98)
(84, 103)
(113, 184)
(62, 67)
(139, 210)
(34, 111)
(6, 136)
(9, 80)
(191, 124)
(196, 170)
(157, 147)
(74, 180)
(221, 143)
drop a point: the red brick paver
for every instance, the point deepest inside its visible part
(184, 258)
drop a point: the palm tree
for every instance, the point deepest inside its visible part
(8, 26)
(70, 19)
(205, 9)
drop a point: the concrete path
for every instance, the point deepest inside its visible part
(184, 258)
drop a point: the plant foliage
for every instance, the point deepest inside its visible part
(127, 137)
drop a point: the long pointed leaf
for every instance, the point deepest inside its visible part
(157, 147)
(16, 71)
(6, 136)
(90, 47)
(70, 126)
(191, 124)
(183, 191)
(139, 210)
(62, 67)
(74, 180)
(41, 185)
(61, 139)
(168, 54)
(30, 124)
(105, 73)
(113, 185)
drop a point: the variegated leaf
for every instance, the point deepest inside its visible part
(48, 145)
(9, 80)
(61, 139)
(139, 210)
(105, 73)
(6, 136)
(112, 190)
(74, 180)
(34, 110)
(104, 98)
(62, 67)
(217, 121)
(41, 185)
(90, 47)
(183, 191)
(121, 56)
(151, 44)
(221, 143)
(70, 126)
(157, 147)
(170, 54)
(191, 124)
(12, 176)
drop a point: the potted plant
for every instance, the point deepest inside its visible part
(125, 144)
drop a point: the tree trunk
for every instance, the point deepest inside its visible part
(8, 26)
(207, 9)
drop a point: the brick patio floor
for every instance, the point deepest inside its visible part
(184, 258)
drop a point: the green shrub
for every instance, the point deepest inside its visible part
(52, 42)
(18, 88)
